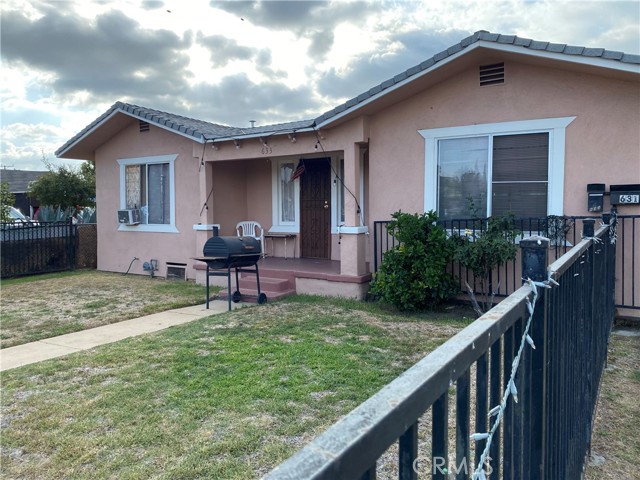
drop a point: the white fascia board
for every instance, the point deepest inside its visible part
(117, 111)
(90, 131)
(579, 59)
(564, 57)
(172, 130)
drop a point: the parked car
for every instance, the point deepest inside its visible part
(18, 219)
(17, 216)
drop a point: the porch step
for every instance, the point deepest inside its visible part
(267, 284)
(273, 288)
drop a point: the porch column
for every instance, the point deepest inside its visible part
(353, 233)
(205, 226)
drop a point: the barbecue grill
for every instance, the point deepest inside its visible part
(221, 254)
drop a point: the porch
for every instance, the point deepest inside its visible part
(280, 277)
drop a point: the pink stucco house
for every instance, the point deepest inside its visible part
(419, 141)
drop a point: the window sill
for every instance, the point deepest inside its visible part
(284, 229)
(148, 228)
(345, 230)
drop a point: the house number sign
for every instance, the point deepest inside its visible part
(267, 150)
(625, 194)
(629, 198)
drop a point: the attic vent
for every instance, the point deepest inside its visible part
(492, 74)
(144, 126)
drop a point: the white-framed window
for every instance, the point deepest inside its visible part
(285, 197)
(340, 192)
(515, 167)
(147, 183)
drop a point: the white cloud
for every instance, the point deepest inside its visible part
(272, 61)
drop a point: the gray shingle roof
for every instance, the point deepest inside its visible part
(198, 129)
(201, 130)
(19, 180)
(484, 36)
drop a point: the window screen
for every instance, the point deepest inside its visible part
(520, 174)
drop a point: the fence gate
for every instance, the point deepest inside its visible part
(28, 249)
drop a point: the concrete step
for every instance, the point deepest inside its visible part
(273, 287)
(267, 284)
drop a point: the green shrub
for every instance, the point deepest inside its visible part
(413, 274)
(486, 250)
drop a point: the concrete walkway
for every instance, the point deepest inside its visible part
(53, 347)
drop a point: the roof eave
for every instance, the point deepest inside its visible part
(118, 110)
(262, 134)
(65, 148)
(577, 59)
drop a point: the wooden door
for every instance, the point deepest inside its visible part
(315, 209)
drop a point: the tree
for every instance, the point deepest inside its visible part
(7, 199)
(63, 186)
(483, 252)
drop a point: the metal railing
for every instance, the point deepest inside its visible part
(546, 434)
(28, 249)
(563, 232)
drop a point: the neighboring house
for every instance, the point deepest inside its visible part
(519, 125)
(19, 181)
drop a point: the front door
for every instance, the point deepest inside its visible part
(315, 208)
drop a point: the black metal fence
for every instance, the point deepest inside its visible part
(563, 233)
(545, 434)
(28, 249)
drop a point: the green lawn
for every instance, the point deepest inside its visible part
(225, 397)
(44, 306)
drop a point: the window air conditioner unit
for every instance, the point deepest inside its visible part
(130, 216)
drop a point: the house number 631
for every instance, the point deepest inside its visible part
(266, 150)
(629, 198)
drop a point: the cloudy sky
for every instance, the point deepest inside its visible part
(66, 62)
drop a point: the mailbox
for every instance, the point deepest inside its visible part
(628, 194)
(595, 196)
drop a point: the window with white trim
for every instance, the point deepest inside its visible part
(495, 169)
(285, 197)
(147, 183)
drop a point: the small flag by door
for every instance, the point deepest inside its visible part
(297, 173)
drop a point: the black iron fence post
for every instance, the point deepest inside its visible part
(534, 266)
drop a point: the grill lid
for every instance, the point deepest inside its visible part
(232, 247)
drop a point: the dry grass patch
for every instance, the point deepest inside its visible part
(225, 397)
(616, 437)
(44, 306)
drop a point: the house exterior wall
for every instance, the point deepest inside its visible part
(602, 143)
(602, 146)
(116, 249)
(604, 133)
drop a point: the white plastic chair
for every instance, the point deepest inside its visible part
(248, 229)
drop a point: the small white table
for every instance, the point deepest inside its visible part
(286, 236)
